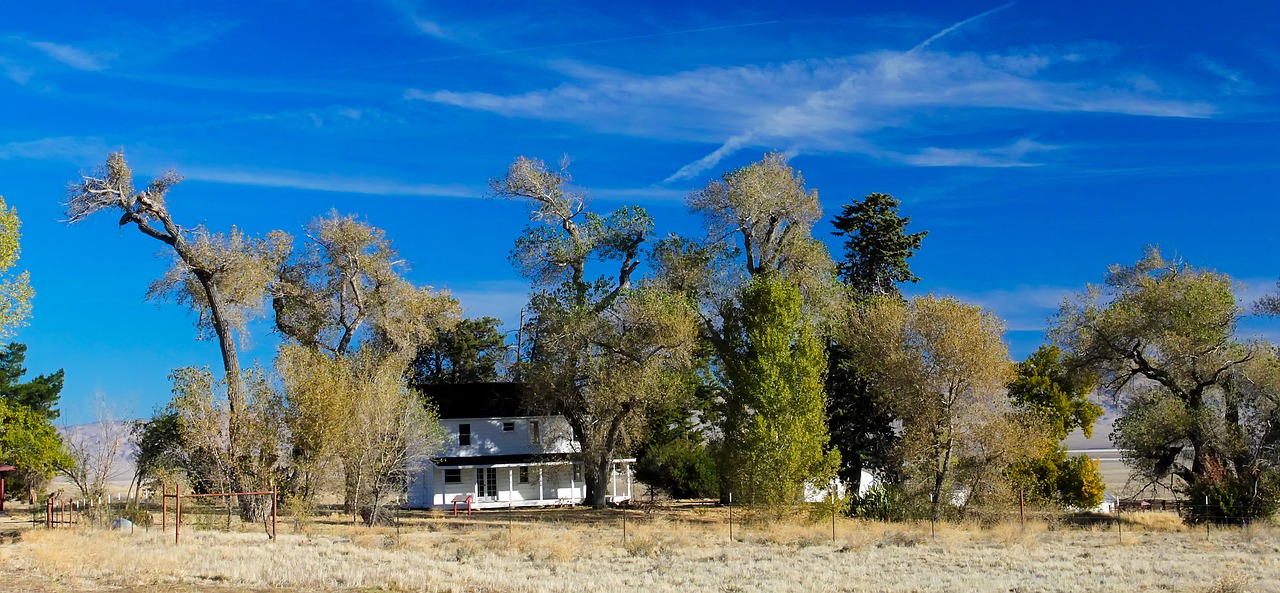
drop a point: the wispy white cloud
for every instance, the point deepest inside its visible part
(78, 150)
(431, 28)
(14, 71)
(1233, 81)
(1249, 290)
(836, 104)
(120, 45)
(332, 116)
(75, 57)
(1013, 155)
(327, 182)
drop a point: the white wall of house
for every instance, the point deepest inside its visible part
(488, 437)
(548, 482)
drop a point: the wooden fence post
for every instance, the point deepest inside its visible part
(177, 513)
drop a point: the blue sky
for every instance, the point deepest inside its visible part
(1038, 142)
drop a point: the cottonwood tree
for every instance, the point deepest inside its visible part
(161, 456)
(356, 409)
(775, 431)
(30, 443)
(759, 237)
(345, 288)
(224, 278)
(1161, 335)
(600, 353)
(215, 463)
(943, 365)
(351, 318)
(606, 372)
(15, 289)
(876, 249)
(759, 220)
(1045, 387)
(39, 394)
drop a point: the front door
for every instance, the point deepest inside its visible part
(487, 483)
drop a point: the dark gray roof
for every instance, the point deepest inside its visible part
(477, 400)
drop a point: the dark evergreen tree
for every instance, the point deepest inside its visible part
(676, 456)
(39, 395)
(472, 352)
(877, 245)
(876, 249)
(858, 418)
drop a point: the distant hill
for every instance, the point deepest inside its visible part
(91, 436)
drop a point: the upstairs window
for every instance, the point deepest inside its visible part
(535, 434)
(452, 476)
(508, 427)
(464, 435)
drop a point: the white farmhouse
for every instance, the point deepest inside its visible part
(498, 456)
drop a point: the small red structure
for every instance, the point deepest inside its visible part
(461, 498)
(3, 470)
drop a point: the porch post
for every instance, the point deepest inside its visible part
(541, 495)
(613, 481)
(511, 487)
(626, 467)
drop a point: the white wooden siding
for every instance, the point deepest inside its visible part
(487, 437)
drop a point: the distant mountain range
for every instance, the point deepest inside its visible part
(92, 435)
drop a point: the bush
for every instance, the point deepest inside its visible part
(681, 468)
(1231, 500)
(883, 502)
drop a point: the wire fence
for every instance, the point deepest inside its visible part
(733, 522)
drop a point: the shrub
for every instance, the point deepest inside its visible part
(681, 468)
(883, 502)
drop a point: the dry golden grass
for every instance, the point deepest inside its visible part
(677, 551)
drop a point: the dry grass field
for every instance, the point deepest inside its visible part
(682, 550)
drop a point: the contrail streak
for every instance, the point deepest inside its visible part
(589, 42)
(948, 30)
(738, 141)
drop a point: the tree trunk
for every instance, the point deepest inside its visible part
(597, 479)
(250, 508)
(941, 476)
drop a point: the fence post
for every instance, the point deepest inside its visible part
(274, 504)
(177, 511)
(1206, 515)
(730, 516)
(1022, 508)
(833, 513)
